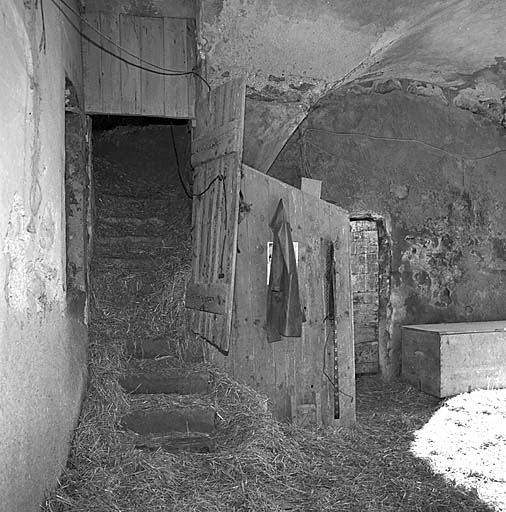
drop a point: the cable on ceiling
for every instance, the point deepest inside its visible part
(153, 68)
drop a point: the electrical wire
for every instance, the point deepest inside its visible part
(153, 68)
(179, 171)
(394, 139)
(219, 177)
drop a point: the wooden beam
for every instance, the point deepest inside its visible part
(153, 8)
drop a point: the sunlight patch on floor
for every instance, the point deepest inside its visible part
(465, 440)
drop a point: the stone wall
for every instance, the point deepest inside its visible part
(434, 172)
(42, 345)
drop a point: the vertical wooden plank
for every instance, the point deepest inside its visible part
(130, 37)
(291, 371)
(344, 341)
(309, 186)
(248, 316)
(175, 58)
(215, 247)
(191, 64)
(263, 202)
(312, 217)
(92, 56)
(110, 65)
(152, 84)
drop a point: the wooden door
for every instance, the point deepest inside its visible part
(216, 159)
(311, 378)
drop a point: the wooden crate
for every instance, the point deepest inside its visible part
(448, 359)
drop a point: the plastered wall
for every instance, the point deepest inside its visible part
(42, 346)
(419, 141)
(435, 173)
(297, 47)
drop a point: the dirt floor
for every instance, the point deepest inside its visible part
(259, 464)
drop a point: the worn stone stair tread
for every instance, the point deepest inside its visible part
(166, 419)
(150, 348)
(109, 205)
(120, 226)
(133, 221)
(144, 265)
(160, 376)
(130, 246)
(148, 195)
(195, 443)
(145, 198)
(132, 239)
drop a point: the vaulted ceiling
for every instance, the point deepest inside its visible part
(295, 51)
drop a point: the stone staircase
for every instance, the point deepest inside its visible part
(169, 405)
(166, 412)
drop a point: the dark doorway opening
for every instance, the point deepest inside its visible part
(142, 254)
(370, 267)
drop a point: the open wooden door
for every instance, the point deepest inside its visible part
(216, 158)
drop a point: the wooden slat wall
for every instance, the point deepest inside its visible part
(216, 153)
(293, 366)
(115, 87)
(130, 84)
(92, 62)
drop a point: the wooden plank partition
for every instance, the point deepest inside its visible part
(308, 379)
(297, 374)
(112, 86)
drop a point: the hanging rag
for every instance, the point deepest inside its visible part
(284, 312)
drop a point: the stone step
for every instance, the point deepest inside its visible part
(150, 348)
(131, 247)
(166, 419)
(142, 266)
(160, 376)
(199, 443)
(121, 226)
(110, 205)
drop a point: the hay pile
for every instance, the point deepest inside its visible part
(260, 464)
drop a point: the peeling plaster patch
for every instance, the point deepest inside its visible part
(399, 191)
(427, 89)
(253, 38)
(15, 248)
(486, 100)
(429, 266)
(386, 85)
(47, 228)
(31, 281)
(44, 284)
